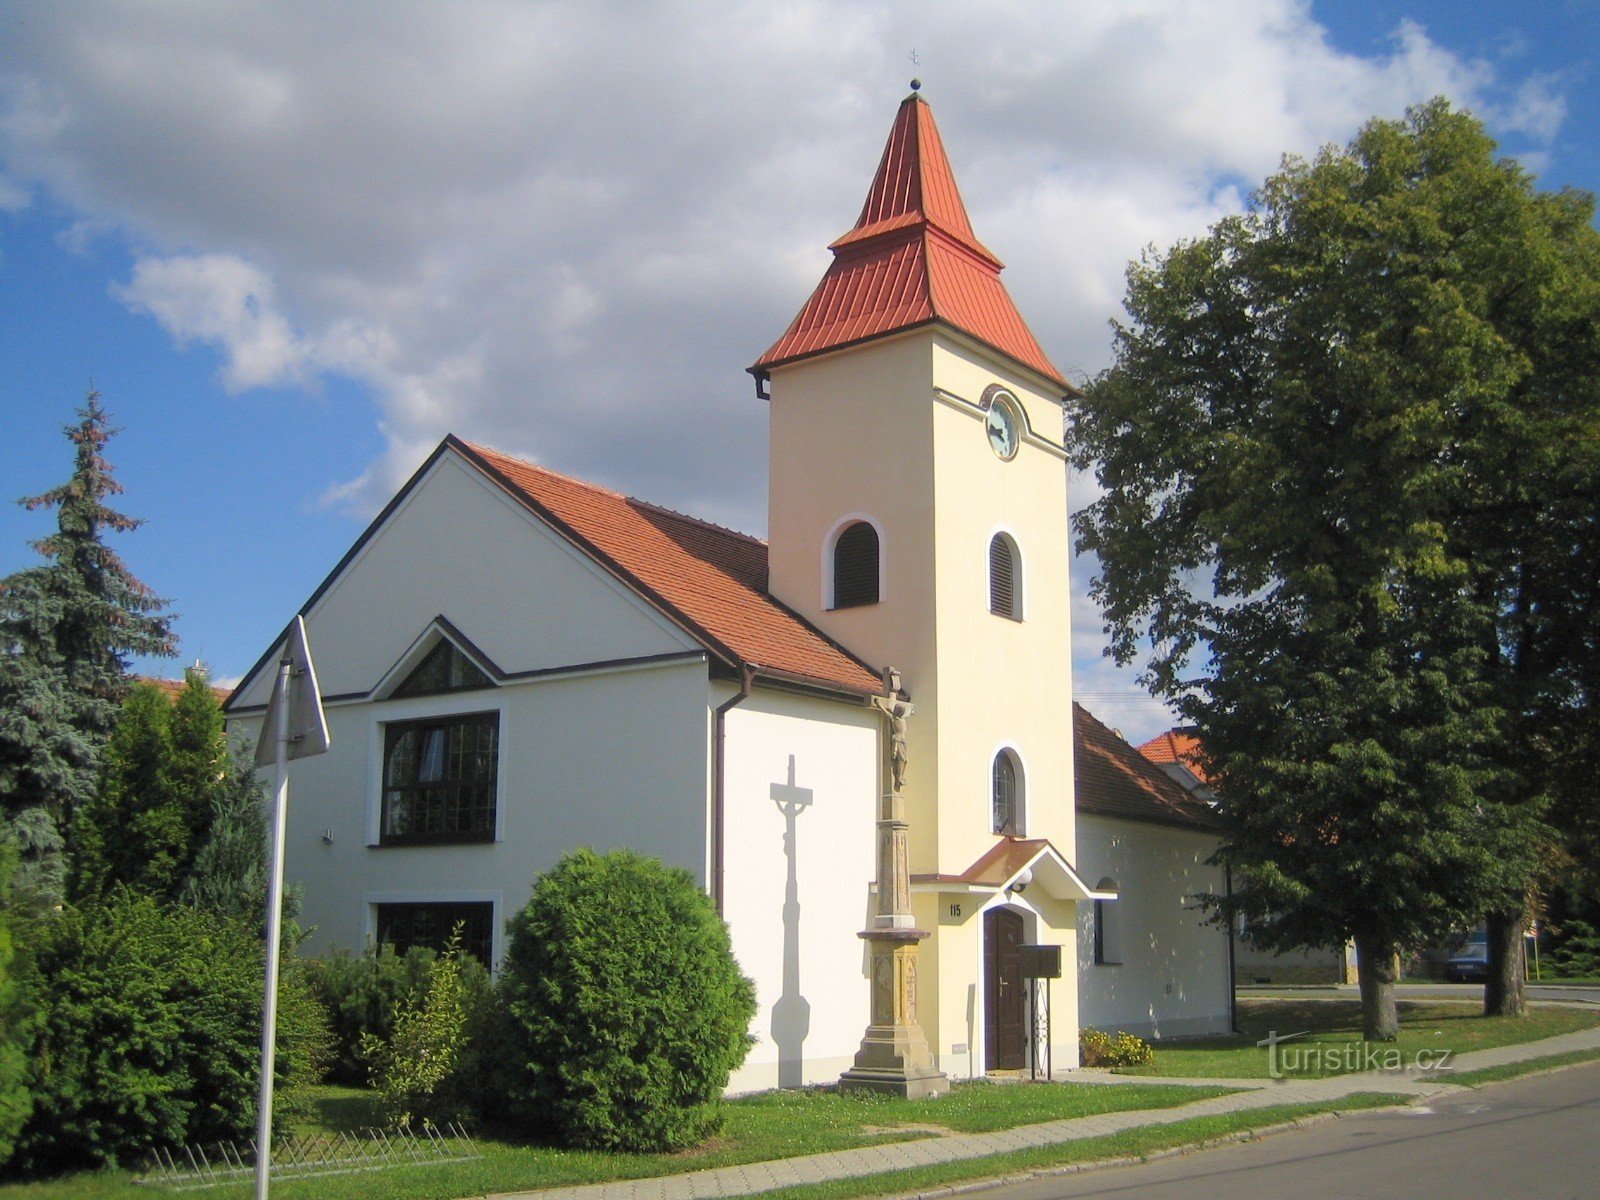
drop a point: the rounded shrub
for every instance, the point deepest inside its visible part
(1099, 1049)
(626, 1011)
(148, 1032)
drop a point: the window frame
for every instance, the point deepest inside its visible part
(1019, 798)
(441, 707)
(1014, 547)
(830, 546)
(372, 901)
(1107, 947)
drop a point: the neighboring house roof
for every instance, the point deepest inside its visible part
(710, 580)
(1177, 746)
(911, 259)
(174, 687)
(1112, 779)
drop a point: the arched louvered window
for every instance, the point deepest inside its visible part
(1007, 794)
(1005, 577)
(855, 566)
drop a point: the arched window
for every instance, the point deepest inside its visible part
(855, 566)
(1107, 927)
(1007, 794)
(1005, 577)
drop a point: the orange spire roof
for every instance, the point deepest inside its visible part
(911, 259)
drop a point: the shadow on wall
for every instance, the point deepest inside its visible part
(791, 1015)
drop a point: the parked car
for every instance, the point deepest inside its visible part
(1469, 965)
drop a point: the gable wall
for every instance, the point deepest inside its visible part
(458, 546)
(809, 1030)
(1173, 978)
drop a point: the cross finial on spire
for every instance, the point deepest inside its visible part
(916, 61)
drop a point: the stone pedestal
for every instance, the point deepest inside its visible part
(894, 1055)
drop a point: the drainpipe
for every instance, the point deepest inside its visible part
(1233, 979)
(719, 773)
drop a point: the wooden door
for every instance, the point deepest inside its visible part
(1005, 1010)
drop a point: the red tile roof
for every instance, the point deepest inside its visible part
(1176, 746)
(710, 580)
(1112, 779)
(173, 688)
(911, 259)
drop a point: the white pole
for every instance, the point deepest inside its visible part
(269, 1012)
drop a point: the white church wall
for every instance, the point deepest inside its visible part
(809, 967)
(604, 760)
(1172, 980)
(458, 546)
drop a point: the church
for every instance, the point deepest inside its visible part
(859, 735)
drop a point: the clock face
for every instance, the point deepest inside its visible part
(1002, 427)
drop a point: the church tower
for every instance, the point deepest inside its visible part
(918, 516)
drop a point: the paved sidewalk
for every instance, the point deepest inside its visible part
(871, 1160)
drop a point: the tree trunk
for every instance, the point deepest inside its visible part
(1375, 964)
(1502, 991)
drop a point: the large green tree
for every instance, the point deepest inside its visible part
(67, 629)
(1309, 531)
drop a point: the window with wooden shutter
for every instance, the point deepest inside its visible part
(855, 566)
(1004, 595)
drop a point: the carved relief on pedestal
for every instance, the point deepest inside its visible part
(882, 987)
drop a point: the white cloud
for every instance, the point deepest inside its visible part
(221, 299)
(567, 228)
(13, 196)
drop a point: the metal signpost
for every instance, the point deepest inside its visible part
(294, 727)
(1040, 964)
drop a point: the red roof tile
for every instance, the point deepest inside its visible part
(710, 580)
(1176, 746)
(911, 259)
(173, 688)
(1112, 779)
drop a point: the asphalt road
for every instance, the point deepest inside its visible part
(1428, 991)
(1535, 1137)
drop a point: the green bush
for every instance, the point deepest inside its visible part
(1575, 953)
(625, 1009)
(363, 994)
(15, 1102)
(148, 1033)
(416, 1071)
(1097, 1049)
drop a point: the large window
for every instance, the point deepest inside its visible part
(1007, 794)
(439, 779)
(855, 566)
(430, 924)
(1005, 592)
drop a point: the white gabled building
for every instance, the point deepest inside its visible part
(517, 663)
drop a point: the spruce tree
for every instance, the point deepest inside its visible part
(198, 761)
(134, 832)
(67, 629)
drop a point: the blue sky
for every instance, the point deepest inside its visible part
(293, 246)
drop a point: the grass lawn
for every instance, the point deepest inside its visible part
(1528, 1067)
(1424, 1025)
(766, 1126)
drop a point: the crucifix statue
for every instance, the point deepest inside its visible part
(895, 710)
(894, 1055)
